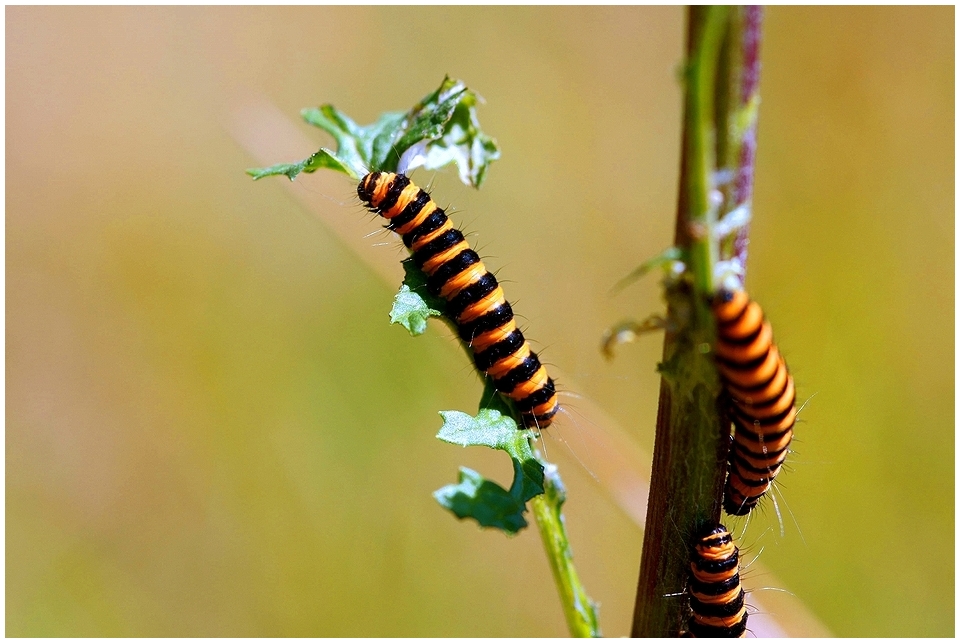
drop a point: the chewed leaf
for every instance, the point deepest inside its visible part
(489, 428)
(411, 311)
(443, 127)
(464, 144)
(486, 502)
(476, 497)
(414, 304)
(416, 279)
(323, 158)
(348, 135)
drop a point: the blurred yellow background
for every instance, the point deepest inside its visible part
(212, 429)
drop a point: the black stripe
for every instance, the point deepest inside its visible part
(445, 241)
(365, 188)
(541, 396)
(505, 347)
(714, 588)
(433, 222)
(714, 537)
(761, 433)
(450, 269)
(773, 464)
(722, 296)
(760, 385)
(486, 322)
(763, 481)
(759, 404)
(717, 609)
(711, 632)
(741, 508)
(518, 374)
(746, 340)
(410, 212)
(715, 566)
(730, 322)
(532, 421)
(471, 295)
(748, 365)
(393, 192)
(755, 425)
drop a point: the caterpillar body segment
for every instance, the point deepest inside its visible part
(716, 598)
(762, 399)
(475, 300)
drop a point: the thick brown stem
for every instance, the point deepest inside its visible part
(692, 438)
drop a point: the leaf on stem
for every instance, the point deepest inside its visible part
(484, 500)
(439, 130)
(322, 158)
(414, 304)
(664, 260)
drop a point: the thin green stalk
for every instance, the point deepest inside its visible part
(692, 432)
(700, 163)
(579, 610)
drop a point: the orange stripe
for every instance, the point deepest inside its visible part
(719, 599)
(729, 310)
(763, 372)
(783, 402)
(432, 264)
(502, 367)
(489, 302)
(486, 340)
(546, 407)
(722, 621)
(462, 279)
(532, 385)
(425, 212)
(746, 325)
(771, 391)
(751, 351)
(380, 190)
(427, 238)
(408, 194)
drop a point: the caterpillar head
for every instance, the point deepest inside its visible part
(367, 186)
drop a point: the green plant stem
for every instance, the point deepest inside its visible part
(579, 610)
(692, 436)
(701, 141)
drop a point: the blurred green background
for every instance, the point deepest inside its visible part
(212, 430)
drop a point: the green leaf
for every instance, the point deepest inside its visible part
(381, 140)
(348, 135)
(486, 502)
(414, 304)
(417, 280)
(629, 331)
(323, 158)
(663, 260)
(441, 129)
(489, 428)
(476, 497)
(463, 143)
(411, 311)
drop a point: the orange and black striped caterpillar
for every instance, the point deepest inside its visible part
(762, 399)
(475, 301)
(716, 598)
